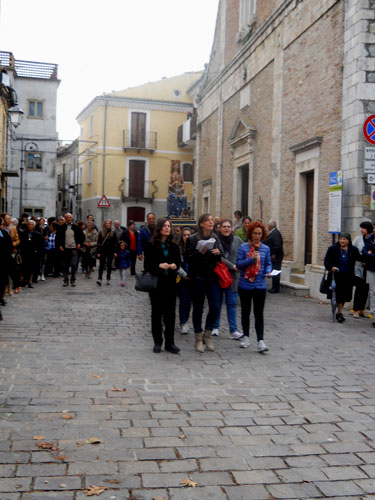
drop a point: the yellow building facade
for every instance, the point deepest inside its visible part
(128, 141)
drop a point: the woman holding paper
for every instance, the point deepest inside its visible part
(202, 254)
(254, 262)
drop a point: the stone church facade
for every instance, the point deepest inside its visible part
(285, 95)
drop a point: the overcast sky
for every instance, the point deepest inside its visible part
(101, 46)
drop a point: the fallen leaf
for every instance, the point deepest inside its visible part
(47, 446)
(188, 482)
(96, 376)
(63, 485)
(93, 440)
(112, 481)
(158, 498)
(67, 417)
(95, 490)
(38, 438)
(79, 443)
(63, 458)
(117, 389)
(182, 436)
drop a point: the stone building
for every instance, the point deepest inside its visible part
(32, 150)
(286, 92)
(69, 180)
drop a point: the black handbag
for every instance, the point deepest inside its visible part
(146, 282)
(325, 283)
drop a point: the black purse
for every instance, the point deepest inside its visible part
(325, 283)
(146, 282)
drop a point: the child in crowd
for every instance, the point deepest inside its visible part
(122, 260)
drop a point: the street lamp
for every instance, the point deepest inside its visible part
(30, 147)
(16, 114)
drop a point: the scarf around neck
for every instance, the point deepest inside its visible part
(252, 271)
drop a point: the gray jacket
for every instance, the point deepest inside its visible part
(230, 260)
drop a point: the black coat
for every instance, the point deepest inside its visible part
(154, 256)
(60, 235)
(31, 248)
(275, 241)
(125, 237)
(201, 265)
(106, 245)
(6, 249)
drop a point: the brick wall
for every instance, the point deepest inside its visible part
(208, 159)
(312, 89)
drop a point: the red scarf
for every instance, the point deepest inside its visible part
(252, 271)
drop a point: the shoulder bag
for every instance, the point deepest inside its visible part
(225, 278)
(146, 282)
(325, 283)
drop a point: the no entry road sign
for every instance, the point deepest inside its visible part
(369, 129)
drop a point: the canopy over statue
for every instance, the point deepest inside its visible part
(177, 199)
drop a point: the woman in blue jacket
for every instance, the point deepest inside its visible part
(254, 262)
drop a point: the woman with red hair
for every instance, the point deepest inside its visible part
(254, 262)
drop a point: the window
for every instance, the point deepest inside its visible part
(34, 211)
(247, 17)
(89, 172)
(34, 160)
(187, 172)
(137, 178)
(138, 130)
(35, 109)
(91, 125)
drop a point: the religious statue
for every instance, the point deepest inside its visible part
(177, 199)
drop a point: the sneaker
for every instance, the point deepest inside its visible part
(262, 346)
(215, 332)
(235, 335)
(184, 328)
(43, 278)
(122, 283)
(73, 283)
(65, 283)
(108, 282)
(245, 342)
(99, 282)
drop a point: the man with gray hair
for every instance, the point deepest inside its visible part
(69, 238)
(275, 241)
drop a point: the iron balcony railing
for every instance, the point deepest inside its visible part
(146, 141)
(138, 191)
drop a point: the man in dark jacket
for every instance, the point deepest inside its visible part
(275, 241)
(31, 248)
(145, 234)
(69, 238)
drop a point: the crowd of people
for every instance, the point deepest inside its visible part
(184, 260)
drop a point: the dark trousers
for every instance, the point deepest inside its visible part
(52, 263)
(360, 295)
(133, 260)
(184, 294)
(70, 261)
(163, 310)
(276, 264)
(258, 297)
(30, 267)
(105, 261)
(202, 288)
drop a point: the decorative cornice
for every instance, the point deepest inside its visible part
(308, 144)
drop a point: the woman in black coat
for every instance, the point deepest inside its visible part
(339, 261)
(106, 247)
(162, 259)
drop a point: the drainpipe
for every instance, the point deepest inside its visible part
(104, 153)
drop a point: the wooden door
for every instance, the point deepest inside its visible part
(136, 178)
(138, 130)
(245, 190)
(309, 216)
(137, 214)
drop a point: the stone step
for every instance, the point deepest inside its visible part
(294, 289)
(297, 278)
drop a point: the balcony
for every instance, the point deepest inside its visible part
(146, 141)
(187, 132)
(134, 191)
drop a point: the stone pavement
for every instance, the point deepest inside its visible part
(77, 363)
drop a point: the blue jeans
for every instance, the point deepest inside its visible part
(231, 303)
(202, 288)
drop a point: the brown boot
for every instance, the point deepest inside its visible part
(199, 342)
(208, 340)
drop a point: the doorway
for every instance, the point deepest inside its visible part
(309, 176)
(244, 186)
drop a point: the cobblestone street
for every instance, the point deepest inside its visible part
(77, 364)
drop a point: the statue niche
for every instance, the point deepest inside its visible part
(177, 199)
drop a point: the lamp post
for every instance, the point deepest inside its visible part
(30, 147)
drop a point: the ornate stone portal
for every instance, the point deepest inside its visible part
(177, 199)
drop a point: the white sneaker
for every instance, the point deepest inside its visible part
(184, 328)
(245, 342)
(43, 278)
(262, 346)
(215, 332)
(235, 335)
